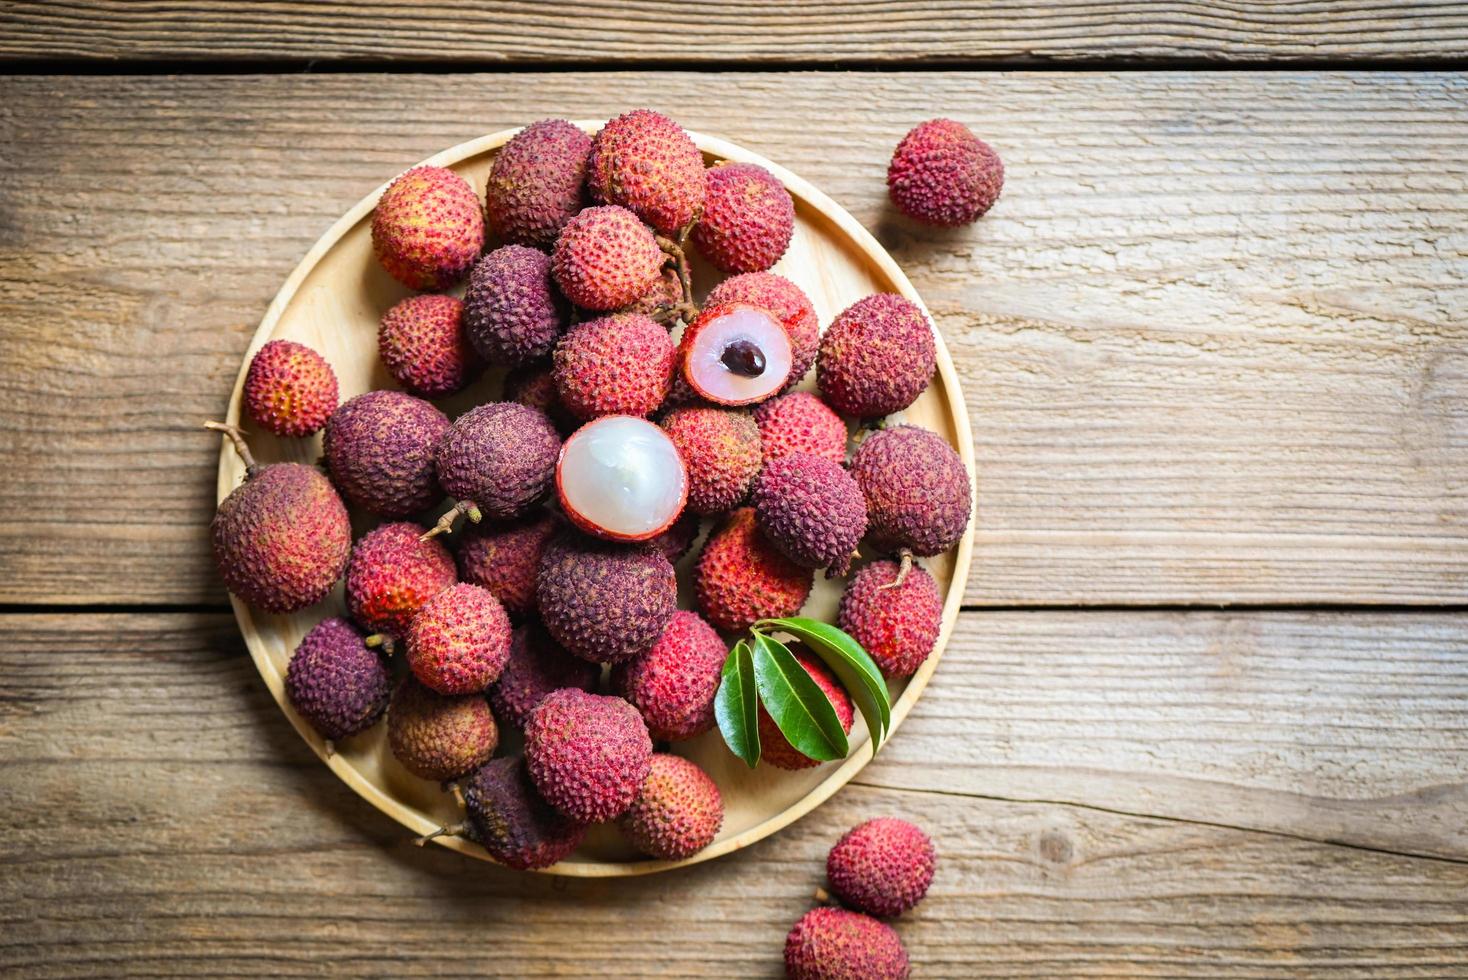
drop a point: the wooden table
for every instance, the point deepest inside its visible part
(1206, 711)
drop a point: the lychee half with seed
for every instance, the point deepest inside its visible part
(788, 303)
(735, 354)
(621, 478)
(421, 342)
(289, 389)
(747, 221)
(428, 228)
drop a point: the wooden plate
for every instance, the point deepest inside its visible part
(332, 302)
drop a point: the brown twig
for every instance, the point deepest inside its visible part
(236, 436)
(446, 522)
(903, 569)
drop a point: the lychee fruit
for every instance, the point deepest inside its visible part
(790, 306)
(504, 557)
(876, 357)
(438, 736)
(421, 342)
(535, 387)
(428, 228)
(741, 577)
(459, 641)
(942, 174)
(735, 354)
(509, 819)
(665, 293)
(281, 538)
(673, 684)
(917, 490)
(897, 624)
(335, 681)
(834, 944)
(498, 460)
(747, 221)
(621, 478)
(722, 451)
(677, 813)
(512, 312)
(379, 449)
(812, 510)
(799, 422)
(645, 162)
(605, 602)
(588, 754)
(537, 183)
(290, 390)
(605, 259)
(676, 541)
(392, 573)
(882, 867)
(537, 666)
(775, 748)
(614, 365)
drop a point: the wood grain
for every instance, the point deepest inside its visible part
(731, 32)
(1213, 338)
(162, 819)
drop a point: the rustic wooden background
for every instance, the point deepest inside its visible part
(1206, 712)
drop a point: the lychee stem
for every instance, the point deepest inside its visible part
(236, 436)
(458, 795)
(329, 747)
(680, 257)
(824, 897)
(455, 831)
(903, 568)
(446, 523)
(388, 644)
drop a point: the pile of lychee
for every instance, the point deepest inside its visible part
(529, 543)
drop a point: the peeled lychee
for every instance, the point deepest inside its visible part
(917, 490)
(537, 183)
(721, 449)
(812, 510)
(742, 577)
(437, 736)
(428, 228)
(614, 365)
(512, 312)
(421, 342)
(799, 422)
(505, 558)
(735, 354)
(897, 624)
(621, 478)
(790, 306)
(775, 748)
(834, 944)
(587, 754)
(673, 684)
(645, 162)
(605, 259)
(876, 357)
(942, 174)
(537, 666)
(677, 813)
(509, 819)
(747, 220)
(498, 459)
(535, 387)
(882, 867)
(379, 448)
(335, 681)
(605, 602)
(289, 389)
(459, 641)
(392, 573)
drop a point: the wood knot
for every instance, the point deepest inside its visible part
(1055, 847)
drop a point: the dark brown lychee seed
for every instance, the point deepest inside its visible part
(744, 358)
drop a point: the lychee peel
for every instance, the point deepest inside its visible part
(812, 510)
(799, 422)
(335, 682)
(509, 819)
(379, 449)
(505, 558)
(605, 602)
(882, 867)
(421, 342)
(614, 365)
(942, 174)
(605, 259)
(438, 736)
(501, 457)
(512, 312)
(673, 684)
(677, 813)
(741, 577)
(459, 641)
(917, 490)
(537, 665)
(537, 183)
(747, 221)
(876, 357)
(290, 389)
(428, 228)
(896, 624)
(775, 748)
(392, 573)
(588, 754)
(788, 303)
(835, 944)
(645, 162)
(722, 451)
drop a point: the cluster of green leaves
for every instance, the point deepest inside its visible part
(762, 670)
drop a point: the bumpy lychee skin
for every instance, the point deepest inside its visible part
(812, 510)
(741, 577)
(917, 490)
(678, 812)
(289, 389)
(505, 559)
(876, 357)
(897, 624)
(501, 457)
(775, 748)
(588, 754)
(510, 820)
(799, 422)
(512, 312)
(882, 867)
(605, 258)
(747, 220)
(437, 736)
(392, 573)
(335, 681)
(790, 306)
(676, 541)
(421, 342)
(537, 666)
(722, 451)
(459, 641)
(535, 387)
(379, 448)
(674, 683)
(834, 944)
(645, 162)
(605, 602)
(942, 174)
(666, 291)
(428, 228)
(537, 183)
(615, 365)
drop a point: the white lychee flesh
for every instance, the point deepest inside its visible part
(621, 478)
(705, 367)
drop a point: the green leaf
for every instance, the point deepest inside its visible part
(736, 705)
(800, 709)
(851, 664)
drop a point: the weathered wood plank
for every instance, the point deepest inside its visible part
(1212, 339)
(731, 32)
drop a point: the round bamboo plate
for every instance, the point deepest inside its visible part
(332, 302)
